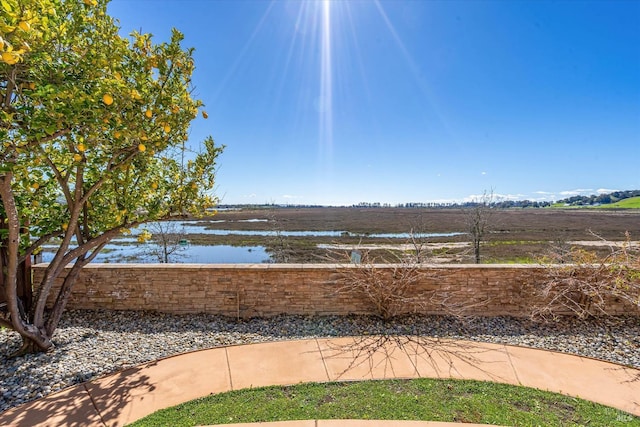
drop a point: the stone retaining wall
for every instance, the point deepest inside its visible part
(247, 290)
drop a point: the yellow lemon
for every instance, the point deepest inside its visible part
(167, 128)
(107, 99)
(32, 86)
(81, 148)
(148, 113)
(141, 147)
(9, 57)
(117, 134)
(77, 157)
(175, 109)
(154, 185)
(35, 185)
(65, 226)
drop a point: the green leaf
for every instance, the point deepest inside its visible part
(6, 6)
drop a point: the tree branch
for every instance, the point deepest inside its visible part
(35, 245)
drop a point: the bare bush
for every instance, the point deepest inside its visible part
(393, 290)
(419, 244)
(164, 240)
(277, 244)
(388, 288)
(589, 283)
(479, 221)
(399, 287)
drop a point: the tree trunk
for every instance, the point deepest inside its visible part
(30, 346)
(64, 294)
(32, 335)
(23, 275)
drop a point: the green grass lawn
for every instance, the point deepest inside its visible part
(418, 399)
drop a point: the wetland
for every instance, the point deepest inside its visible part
(329, 234)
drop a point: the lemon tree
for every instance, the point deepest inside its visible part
(92, 131)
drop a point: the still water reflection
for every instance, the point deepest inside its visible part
(125, 249)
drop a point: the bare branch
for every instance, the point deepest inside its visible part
(36, 244)
(590, 283)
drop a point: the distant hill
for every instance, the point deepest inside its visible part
(604, 200)
(630, 203)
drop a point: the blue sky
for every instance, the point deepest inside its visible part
(340, 102)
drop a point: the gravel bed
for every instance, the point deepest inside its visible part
(90, 344)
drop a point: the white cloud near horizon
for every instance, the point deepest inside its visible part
(576, 192)
(605, 190)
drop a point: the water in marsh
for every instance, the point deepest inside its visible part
(126, 249)
(202, 227)
(196, 254)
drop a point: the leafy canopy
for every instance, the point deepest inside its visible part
(93, 128)
(93, 124)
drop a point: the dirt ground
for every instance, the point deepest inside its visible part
(515, 235)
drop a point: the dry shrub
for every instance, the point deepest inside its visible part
(399, 287)
(587, 284)
(390, 289)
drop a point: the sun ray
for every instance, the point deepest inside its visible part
(413, 67)
(236, 63)
(325, 101)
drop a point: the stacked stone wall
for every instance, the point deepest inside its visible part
(249, 290)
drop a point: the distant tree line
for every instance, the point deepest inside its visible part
(594, 199)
